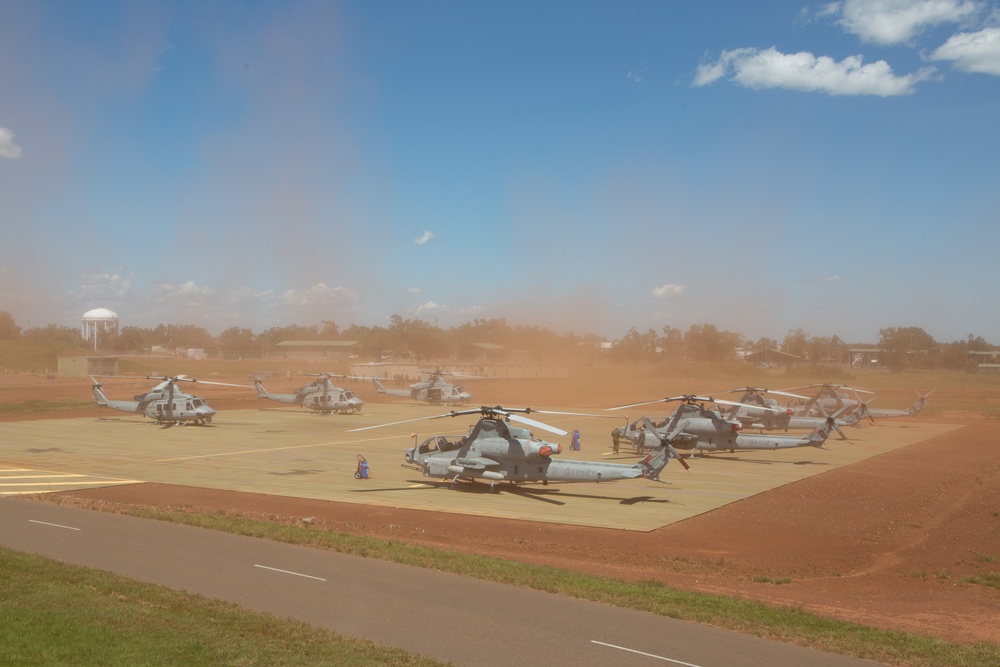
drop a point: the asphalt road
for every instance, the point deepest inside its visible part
(443, 616)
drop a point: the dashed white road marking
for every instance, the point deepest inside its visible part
(648, 655)
(297, 574)
(55, 525)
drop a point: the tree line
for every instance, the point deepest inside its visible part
(417, 340)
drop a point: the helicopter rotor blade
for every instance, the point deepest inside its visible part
(633, 405)
(666, 441)
(684, 399)
(404, 421)
(537, 424)
(224, 384)
(574, 414)
(720, 401)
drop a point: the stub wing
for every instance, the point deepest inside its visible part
(476, 464)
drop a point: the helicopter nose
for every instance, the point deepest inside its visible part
(204, 411)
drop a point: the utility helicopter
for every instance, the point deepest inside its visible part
(693, 427)
(320, 395)
(434, 390)
(755, 410)
(498, 451)
(164, 403)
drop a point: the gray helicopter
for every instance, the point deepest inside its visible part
(434, 390)
(497, 451)
(887, 413)
(320, 395)
(164, 404)
(693, 427)
(829, 398)
(755, 410)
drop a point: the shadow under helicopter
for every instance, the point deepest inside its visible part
(537, 492)
(740, 459)
(147, 422)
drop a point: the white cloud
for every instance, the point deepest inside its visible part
(899, 21)
(832, 279)
(7, 146)
(972, 51)
(430, 306)
(414, 290)
(102, 286)
(247, 296)
(188, 292)
(319, 295)
(668, 291)
(424, 238)
(769, 68)
(635, 77)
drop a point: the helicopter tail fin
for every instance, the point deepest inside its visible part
(98, 392)
(378, 386)
(260, 388)
(657, 460)
(920, 404)
(819, 436)
(653, 463)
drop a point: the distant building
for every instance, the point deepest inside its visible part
(315, 349)
(98, 322)
(865, 357)
(478, 353)
(83, 366)
(772, 359)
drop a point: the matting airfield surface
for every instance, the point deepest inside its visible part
(288, 451)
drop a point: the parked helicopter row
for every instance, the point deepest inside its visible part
(166, 404)
(694, 427)
(496, 450)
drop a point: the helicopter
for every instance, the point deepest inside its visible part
(498, 451)
(318, 396)
(755, 410)
(694, 427)
(163, 403)
(433, 390)
(912, 411)
(829, 398)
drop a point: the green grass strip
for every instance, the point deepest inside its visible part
(57, 614)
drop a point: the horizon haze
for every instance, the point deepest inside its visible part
(585, 167)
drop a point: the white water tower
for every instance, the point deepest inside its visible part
(97, 322)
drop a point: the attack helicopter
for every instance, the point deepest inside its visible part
(829, 397)
(434, 390)
(318, 396)
(887, 413)
(693, 427)
(755, 410)
(498, 451)
(164, 404)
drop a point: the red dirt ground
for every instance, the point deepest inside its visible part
(886, 542)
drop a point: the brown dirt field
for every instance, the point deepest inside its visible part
(886, 542)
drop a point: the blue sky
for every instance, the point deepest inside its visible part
(582, 166)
